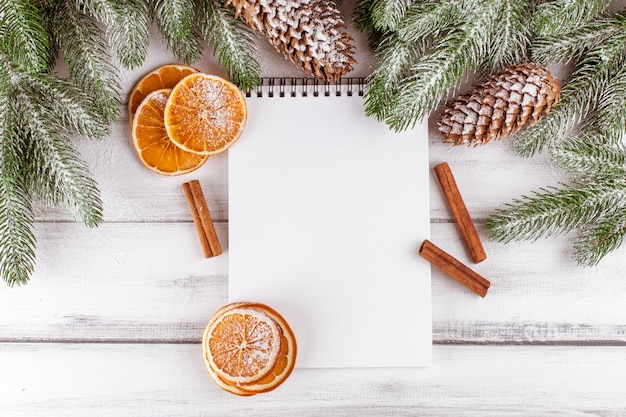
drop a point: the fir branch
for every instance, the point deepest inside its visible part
(434, 46)
(599, 238)
(362, 21)
(586, 155)
(553, 211)
(610, 114)
(23, 36)
(425, 21)
(564, 46)
(512, 35)
(394, 66)
(68, 107)
(432, 78)
(176, 22)
(86, 53)
(400, 51)
(127, 24)
(51, 166)
(233, 42)
(17, 241)
(579, 97)
(58, 176)
(387, 14)
(362, 16)
(560, 16)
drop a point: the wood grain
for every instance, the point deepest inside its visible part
(111, 284)
(144, 380)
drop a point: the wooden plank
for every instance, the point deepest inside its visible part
(150, 282)
(468, 381)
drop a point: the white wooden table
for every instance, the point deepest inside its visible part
(111, 322)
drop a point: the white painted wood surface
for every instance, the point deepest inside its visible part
(107, 328)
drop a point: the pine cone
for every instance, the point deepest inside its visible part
(310, 33)
(515, 98)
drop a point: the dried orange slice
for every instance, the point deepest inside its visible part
(205, 114)
(154, 148)
(241, 345)
(286, 357)
(283, 362)
(166, 76)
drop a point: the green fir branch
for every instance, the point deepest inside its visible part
(17, 240)
(599, 238)
(564, 46)
(176, 22)
(553, 17)
(395, 63)
(50, 166)
(587, 155)
(23, 35)
(362, 21)
(387, 14)
(554, 211)
(68, 108)
(87, 55)
(127, 24)
(58, 176)
(513, 36)
(432, 78)
(434, 46)
(610, 114)
(580, 96)
(233, 42)
(362, 16)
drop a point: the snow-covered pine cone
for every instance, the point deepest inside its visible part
(515, 98)
(310, 33)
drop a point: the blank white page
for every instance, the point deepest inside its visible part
(328, 209)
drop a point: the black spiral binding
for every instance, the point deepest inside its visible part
(294, 87)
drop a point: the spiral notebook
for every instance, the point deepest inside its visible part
(328, 209)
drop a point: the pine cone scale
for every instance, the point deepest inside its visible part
(310, 33)
(505, 103)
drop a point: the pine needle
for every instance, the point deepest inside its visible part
(553, 211)
(23, 34)
(87, 54)
(587, 156)
(580, 96)
(17, 241)
(560, 16)
(176, 22)
(127, 27)
(387, 14)
(233, 42)
(429, 47)
(52, 167)
(599, 238)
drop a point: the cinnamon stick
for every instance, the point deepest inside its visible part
(454, 268)
(202, 219)
(460, 213)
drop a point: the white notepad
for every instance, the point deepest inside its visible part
(328, 209)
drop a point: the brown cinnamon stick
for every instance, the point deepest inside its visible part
(454, 268)
(202, 219)
(460, 213)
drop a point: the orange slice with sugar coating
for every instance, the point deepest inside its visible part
(166, 76)
(274, 372)
(242, 345)
(205, 114)
(154, 148)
